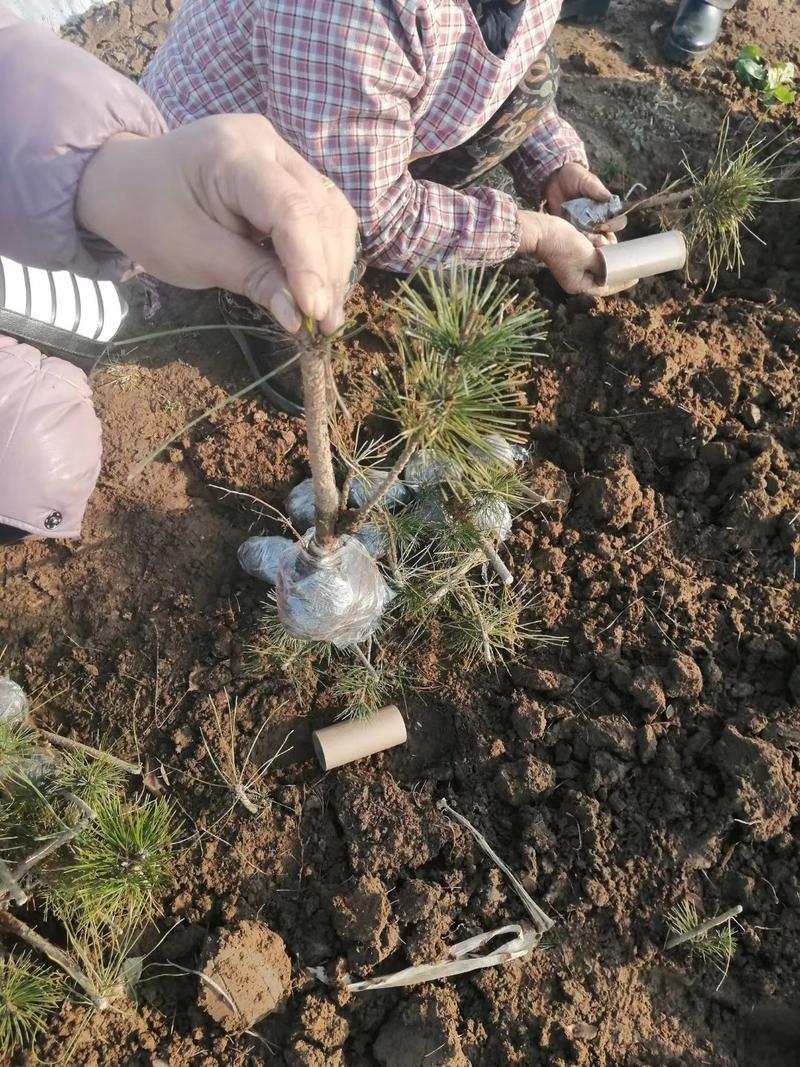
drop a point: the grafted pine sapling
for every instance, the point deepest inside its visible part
(426, 510)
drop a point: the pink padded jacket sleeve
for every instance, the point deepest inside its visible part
(58, 105)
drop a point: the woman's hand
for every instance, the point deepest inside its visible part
(571, 181)
(570, 256)
(191, 206)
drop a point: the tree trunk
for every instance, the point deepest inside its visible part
(326, 496)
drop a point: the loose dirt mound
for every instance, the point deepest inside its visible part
(246, 975)
(652, 759)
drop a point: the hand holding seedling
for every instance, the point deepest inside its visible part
(192, 206)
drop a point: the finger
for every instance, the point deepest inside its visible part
(337, 226)
(338, 222)
(610, 290)
(249, 270)
(273, 202)
(592, 187)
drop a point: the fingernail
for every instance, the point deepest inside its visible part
(285, 310)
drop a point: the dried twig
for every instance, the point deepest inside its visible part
(56, 842)
(542, 921)
(78, 746)
(501, 570)
(652, 533)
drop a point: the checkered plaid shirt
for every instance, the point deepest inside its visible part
(363, 87)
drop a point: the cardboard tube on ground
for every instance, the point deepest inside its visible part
(347, 741)
(643, 257)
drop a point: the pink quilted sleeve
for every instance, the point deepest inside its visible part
(59, 105)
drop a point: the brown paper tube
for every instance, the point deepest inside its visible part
(643, 257)
(348, 741)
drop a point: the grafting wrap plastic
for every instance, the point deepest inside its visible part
(337, 596)
(13, 702)
(258, 556)
(585, 213)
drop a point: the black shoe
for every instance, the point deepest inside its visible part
(264, 352)
(585, 11)
(694, 32)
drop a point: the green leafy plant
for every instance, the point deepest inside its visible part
(29, 994)
(774, 82)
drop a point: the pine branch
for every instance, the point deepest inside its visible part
(353, 523)
(24, 932)
(72, 745)
(704, 927)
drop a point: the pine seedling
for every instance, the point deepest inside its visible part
(121, 863)
(462, 353)
(715, 946)
(29, 993)
(243, 777)
(469, 313)
(713, 207)
(91, 780)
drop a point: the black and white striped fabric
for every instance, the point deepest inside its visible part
(57, 304)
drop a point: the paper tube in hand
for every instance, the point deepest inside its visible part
(348, 741)
(644, 257)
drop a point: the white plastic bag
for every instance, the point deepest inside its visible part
(496, 449)
(338, 597)
(426, 468)
(258, 556)
(369, 481)
(374, 539)
(300, 506)
(491, 517)
(13, 702)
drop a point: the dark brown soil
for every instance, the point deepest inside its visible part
(654, 758)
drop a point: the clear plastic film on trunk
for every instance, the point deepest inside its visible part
(337, 596)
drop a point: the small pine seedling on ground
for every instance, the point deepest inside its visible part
(437, 498)
(120, 864)
(715, 946)
(29, 994)
(713, 206)
(97, 861)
